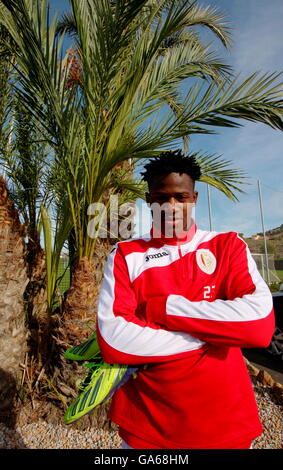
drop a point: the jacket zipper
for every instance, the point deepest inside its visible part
(183, 272)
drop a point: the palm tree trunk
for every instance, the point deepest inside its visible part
(13, 282)
(80, 302)
(36, 302)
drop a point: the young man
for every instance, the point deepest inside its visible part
(183, 304)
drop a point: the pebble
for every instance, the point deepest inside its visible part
(43, 435)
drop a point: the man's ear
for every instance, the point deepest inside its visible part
(195, 196)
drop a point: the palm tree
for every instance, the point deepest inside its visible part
(25, 163)
(21, 161)
(13, 268)
(128, 74)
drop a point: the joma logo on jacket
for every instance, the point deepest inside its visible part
(156, 255)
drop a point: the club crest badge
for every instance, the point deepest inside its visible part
(206, 261)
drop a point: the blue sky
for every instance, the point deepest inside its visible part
(256, 149)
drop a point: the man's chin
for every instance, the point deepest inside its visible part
(172, 229)
(169, 229)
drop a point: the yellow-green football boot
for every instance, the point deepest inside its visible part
(98, 387)
(85, 351)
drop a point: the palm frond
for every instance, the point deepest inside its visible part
(129, 189)
(213, 19)
(216, 172)
(253, 99)
(67, 24)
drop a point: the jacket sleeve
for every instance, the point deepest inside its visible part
(122, 336)
(244, 319)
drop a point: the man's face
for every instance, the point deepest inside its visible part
(171, 199)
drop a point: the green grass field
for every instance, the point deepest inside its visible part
(64, 282)
(64, 271)
(279, 273)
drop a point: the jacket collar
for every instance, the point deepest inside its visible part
(184, 237)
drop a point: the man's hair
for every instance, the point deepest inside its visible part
(172, 161)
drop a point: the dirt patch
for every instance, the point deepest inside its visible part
(52, 412)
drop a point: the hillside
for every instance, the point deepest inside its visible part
(274, 246)
(274, 238)
(273, 233)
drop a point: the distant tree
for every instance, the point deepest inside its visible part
(271, 249)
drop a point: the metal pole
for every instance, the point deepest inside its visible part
(262, 264)
(209, 207)
(263, 231)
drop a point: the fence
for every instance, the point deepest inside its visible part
(64, 274)
(263, 266)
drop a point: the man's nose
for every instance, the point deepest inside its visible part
(172, 202)
(171, 206)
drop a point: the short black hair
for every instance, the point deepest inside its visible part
(172, 161)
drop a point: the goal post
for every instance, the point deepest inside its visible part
(266, 266)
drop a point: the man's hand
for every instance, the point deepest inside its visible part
(140, 311)
(142, 314)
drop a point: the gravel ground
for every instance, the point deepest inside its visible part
(43, 435)
(271, 415)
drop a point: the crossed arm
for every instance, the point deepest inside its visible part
(175, 325)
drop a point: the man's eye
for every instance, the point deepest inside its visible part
(161, 199)
(185, 198)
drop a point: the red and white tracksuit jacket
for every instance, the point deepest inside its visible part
(184, 307)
